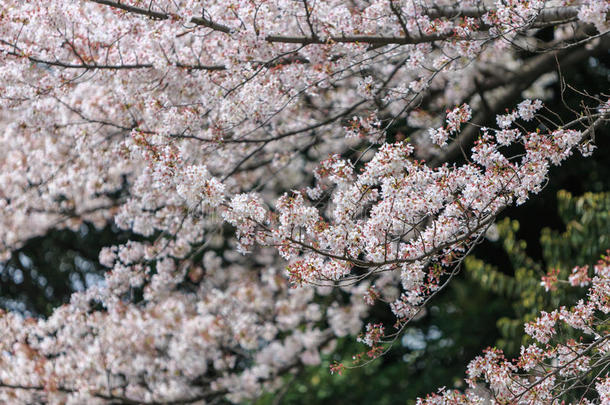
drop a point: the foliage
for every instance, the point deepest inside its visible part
(585, 238)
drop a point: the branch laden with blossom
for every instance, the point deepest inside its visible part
(571, 365)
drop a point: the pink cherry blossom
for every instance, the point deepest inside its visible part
(259, 152)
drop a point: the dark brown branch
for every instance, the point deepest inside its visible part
(163, 16)
(545, 15)
(363, 39)
(91, 66)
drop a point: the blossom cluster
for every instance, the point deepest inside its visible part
(555, 363)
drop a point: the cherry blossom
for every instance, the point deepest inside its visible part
(548, 368)
(253, 148)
